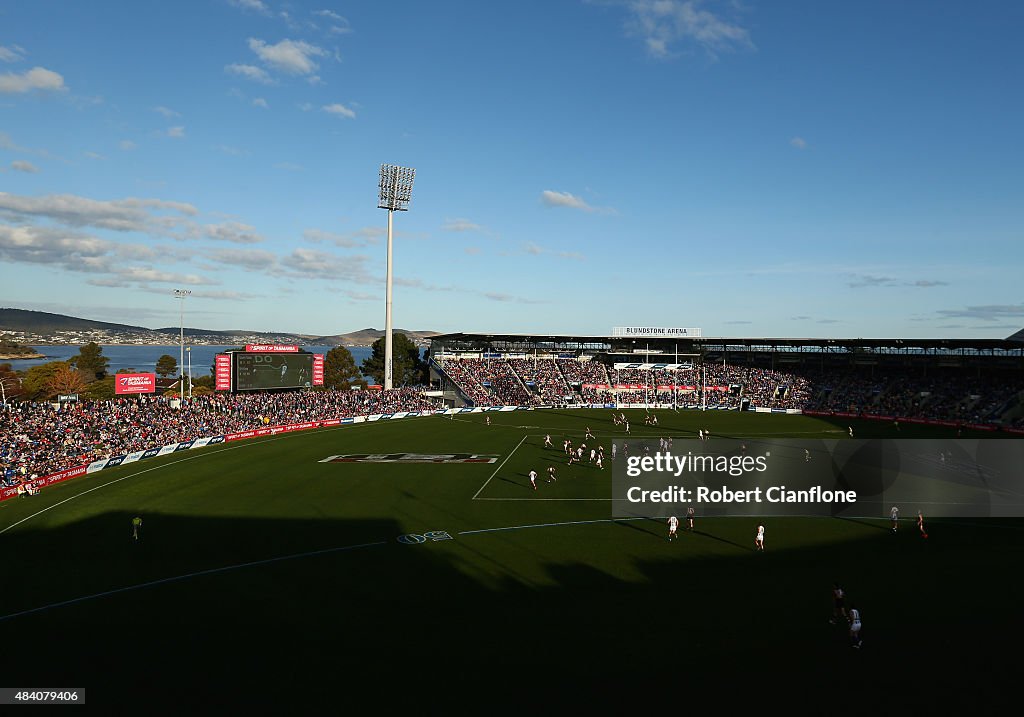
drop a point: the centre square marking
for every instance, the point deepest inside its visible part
(411, 458)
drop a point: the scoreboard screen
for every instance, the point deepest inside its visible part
(255, 371)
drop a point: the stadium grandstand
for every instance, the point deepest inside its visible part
(961, 381)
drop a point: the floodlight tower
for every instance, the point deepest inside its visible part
(395, 195)
(181, 294)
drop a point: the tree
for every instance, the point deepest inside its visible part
(11, 382)
(202, 381)
(37, 379)
(166, 366)
(102, 390)
(409, 369)
(65, 380)
(91, 361)
(340, 370)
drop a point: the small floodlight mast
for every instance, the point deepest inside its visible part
(395, 195)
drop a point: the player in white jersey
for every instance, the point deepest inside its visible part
(759, 540)
(565, 446)
(593, 454)
(551, 474)
(533, 479)
(673, 523)
(487, 420)
(807, 455)
(850, 429)
(855, 626)
(894, 516)
(700, 433)
(547, 441)
(689, 518)
(589, 434)
(838, 603)
(600, 461)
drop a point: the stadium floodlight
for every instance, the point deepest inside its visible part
(181, 294)
(395, 195)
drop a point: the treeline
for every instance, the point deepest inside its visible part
(87, 375)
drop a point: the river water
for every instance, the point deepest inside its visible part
(143, 358)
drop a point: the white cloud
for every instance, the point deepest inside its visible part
(329, 14)
(81, 253)
(166, 111)
(536, 250)
(315, 264)
(38, 78)
(176, 132)
(251, 72)
(254, 5)
(339, 110)
(799, 142)
(94, 155)
(307, 107)
(127, 145)
(11, 54)
(360, 237)
(233, 151)
(564, 199)
(315, 80)
(233, 232)
(472, 250)
(260, 102)
(123, 215)
(663, 23)
(461, 225)
(988, 312)
(291, 56)
(20, 165)
(253, 259)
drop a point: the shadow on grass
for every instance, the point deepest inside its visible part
(306, 612)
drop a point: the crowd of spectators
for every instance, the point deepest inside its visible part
(543, 375)
(38, 438)
(940, 394)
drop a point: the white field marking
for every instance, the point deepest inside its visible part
(244, 444)
(683, 436)
(549, 525)
(498, 468)
(165, 465)
(176, 578)
(542, 499)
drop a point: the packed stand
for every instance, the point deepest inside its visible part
(36, 438)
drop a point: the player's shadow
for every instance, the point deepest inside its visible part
(720, 540)
(868, 523)
(643, 526)
(519, 484)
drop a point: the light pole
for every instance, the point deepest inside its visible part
(189, 371)
(395, 194)
(181, 294)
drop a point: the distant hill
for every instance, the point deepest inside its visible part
(365, 337)
(42, 322)
(44, 326)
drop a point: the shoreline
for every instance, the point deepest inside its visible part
(21, 357)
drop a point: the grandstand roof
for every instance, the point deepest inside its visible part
(712, 343)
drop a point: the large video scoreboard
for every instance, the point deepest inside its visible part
(261, 367)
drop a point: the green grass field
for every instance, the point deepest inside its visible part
(267, 577)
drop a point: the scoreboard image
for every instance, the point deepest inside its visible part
(283, 368)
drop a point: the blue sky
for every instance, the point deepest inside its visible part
(791, 168)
